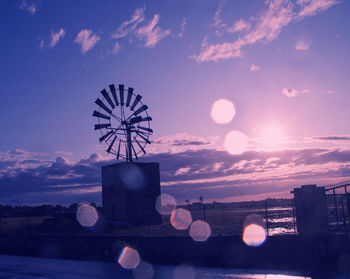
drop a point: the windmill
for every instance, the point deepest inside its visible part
(123, 121)
(129, 188)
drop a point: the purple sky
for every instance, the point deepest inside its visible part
(283, 64)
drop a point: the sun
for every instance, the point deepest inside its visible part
(273, 137)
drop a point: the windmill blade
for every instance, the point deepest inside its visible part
(100, 115)
(141, 109)
(102, 106)
(111, 145)
(114, 94)
(148, 118)
(101, 126)
(133, 149)
(105, 136)
(146, 129)
(144, 138)
(128, 99)
(141, 132)
(118, 150)
(121, 93)
(106, 96)
(136, 101)
(136, 119)
(140, 145)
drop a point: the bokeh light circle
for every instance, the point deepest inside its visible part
(254, 235)
(181, 219)
(87, 215)
(165, 204)
(222, 111)
(235, 142)
(143, 271)
(132, 177)
(129, 258)
(200, 230)
(184, 272)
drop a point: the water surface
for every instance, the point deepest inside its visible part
(41, 268)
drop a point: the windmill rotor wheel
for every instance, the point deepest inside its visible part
(123, 121)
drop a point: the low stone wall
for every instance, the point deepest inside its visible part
(285, 252)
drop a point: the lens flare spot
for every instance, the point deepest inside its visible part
(235, 143)
(184, 272)
(143, 271)
(165, 204)
(129, 258)
(87, 215)
(200, 230)
(254, 235)
(181, 219)
(132, 177)
(222, 111)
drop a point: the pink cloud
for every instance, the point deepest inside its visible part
(312, 7)
(303, 45)
(263, 28)
(254, 68)
(239, 26)
(182, 30)
(218, 23)
(87, 40)
(269, 24)
(152, 33)
(31, 7)
(116, 48)
(292, 92)
(129, 26)
(181, 171)
(56, 37)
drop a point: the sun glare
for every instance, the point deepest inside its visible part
(273, 137)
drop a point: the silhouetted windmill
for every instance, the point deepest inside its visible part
(125, 128)
(123, 122)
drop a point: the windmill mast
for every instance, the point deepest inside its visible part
(128, 144)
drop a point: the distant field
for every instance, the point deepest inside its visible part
(223, 221)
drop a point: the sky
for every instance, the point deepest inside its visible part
(280, 65)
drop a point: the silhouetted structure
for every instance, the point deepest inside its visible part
(129, 193)
(129, 190)
(340, 202)
(311, 210)
(124, 123)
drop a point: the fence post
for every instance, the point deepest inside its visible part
(343, 211)
(294, 219)
(267, 219)
(336, 208)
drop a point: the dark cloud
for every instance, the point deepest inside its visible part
(189, 142)
(50, 181)
(332, 138)
(183, 142)
(186, 175)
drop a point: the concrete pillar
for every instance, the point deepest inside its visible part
(311, 210)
